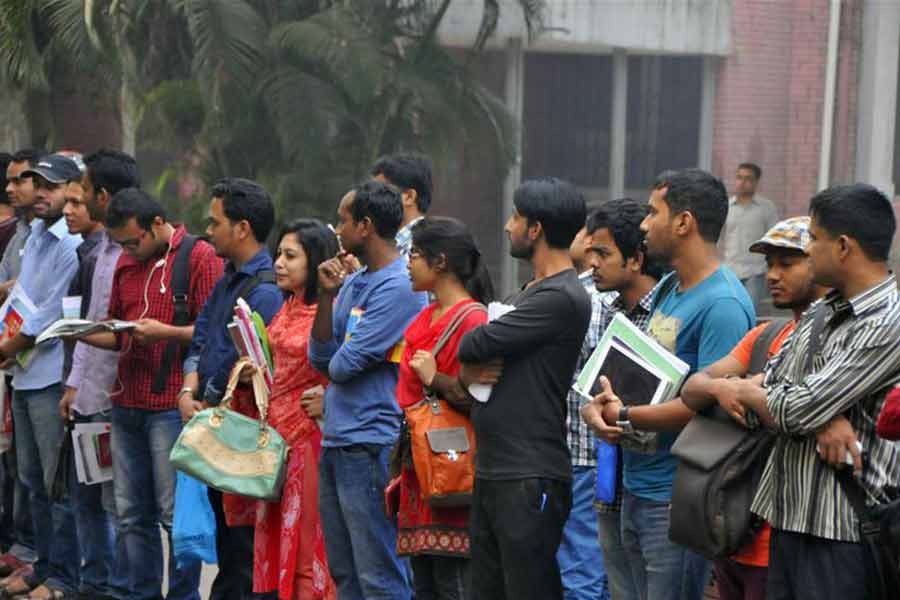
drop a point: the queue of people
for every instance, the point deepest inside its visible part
(384, 317)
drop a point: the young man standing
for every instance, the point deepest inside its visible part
(523, 487)
(240, 218)
(790, 280)
(21, 193)
(49, 262)
(823, 394)
(352, 341)
(700, 312)
(620, 267)
(92, 371)
(750, 215)
(411, 174)
(145, 417)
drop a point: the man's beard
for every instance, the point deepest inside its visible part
(523, 251)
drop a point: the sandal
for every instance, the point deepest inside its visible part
(25, 572)
(16, 586)
(42, 592)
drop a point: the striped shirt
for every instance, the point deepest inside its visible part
(578, 435)
(858, 362)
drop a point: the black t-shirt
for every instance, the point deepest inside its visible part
(521, 430)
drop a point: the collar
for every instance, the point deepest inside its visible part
(174, 243)
(261, 261)
(733, 200)
(58, 229)
(865, 300)
(409, 225)
(643, 305)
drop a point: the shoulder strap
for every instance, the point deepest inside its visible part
(853, 491)
(759, 356)
(454, 324)
(815, 337)
(250, 283)
(181, 286)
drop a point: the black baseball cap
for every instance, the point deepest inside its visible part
(55, 168)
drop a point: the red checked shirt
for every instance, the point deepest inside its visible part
(138, 293)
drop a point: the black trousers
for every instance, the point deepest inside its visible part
(234, 547)
(441, 577)
(516, 530)
(805, 567)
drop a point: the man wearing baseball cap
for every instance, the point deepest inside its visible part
(49, 261)
(789, 277)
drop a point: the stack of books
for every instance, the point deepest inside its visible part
(248, 332)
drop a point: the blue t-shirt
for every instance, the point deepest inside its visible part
(371, 312)
(700, 325)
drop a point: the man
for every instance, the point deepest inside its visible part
(411, 174)
(790, 280)
(523, 486)
(145, 417)
(750, 216)
(241, 216)
(92, 371)
(352, 341)
(580, 557)
(621, 268)
(20, 191)
(49, 262)
(700, 313)
(821, 410)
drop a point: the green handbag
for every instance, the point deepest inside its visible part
(231, 452)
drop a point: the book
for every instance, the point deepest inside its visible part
(639, 369)
(92, 452)
(81, 327)
(13, 312)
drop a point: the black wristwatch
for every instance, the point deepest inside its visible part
(623, 421)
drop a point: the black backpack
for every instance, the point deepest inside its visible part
(718, 473)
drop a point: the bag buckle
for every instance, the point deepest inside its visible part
(435, 406)
(263, 440)
(216, 419)
(452, 455)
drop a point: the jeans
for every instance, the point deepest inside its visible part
(804, 567)
(16, 526)
(441, 577)
(144, 484)
(102, 571)
(359, 540)
(580, 557)
(615, 559)
(516, 527)
(39, 435)
(234, 549)
(662, 570)
(756, 289)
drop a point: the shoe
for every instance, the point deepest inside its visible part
(16, 587)
(9, 563)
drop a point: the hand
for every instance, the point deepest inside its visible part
(149, 331)
(835, 440)
(331, 276)
(312, 401)
(7, 363)
(65, 403)
(486, 373)
(188, 406)
(592, 414)
(424, 365)
(350, 262)
(727, 393)
(246, 375)
(607, 401)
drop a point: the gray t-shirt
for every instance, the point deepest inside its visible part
(12, 256)
(746, 223)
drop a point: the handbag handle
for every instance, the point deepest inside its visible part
(455, 323)
(260, 396)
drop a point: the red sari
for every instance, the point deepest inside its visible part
(421, 528)
(289, 552)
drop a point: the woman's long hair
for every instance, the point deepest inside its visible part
(319, 243)
(437, 236)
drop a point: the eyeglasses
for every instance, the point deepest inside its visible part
(415, 253)
(133, 243)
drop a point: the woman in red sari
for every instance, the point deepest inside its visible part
(444, 261)
(289, 555)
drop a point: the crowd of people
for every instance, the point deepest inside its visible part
(385, 310)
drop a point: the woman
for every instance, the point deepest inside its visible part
(444, 261)
(289, 553)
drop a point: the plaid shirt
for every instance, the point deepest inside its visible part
(640, 316)
(137, 293)
(578, 434)
(404, 237)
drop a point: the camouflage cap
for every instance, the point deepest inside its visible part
(790, 234)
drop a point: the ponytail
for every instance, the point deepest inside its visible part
(479, 284)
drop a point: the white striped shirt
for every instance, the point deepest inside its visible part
(858, 362)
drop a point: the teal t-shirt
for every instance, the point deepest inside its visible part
(700, 325)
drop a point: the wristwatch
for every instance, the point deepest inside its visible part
(185, 390)
(623, 421)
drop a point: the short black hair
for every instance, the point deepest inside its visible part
(662, 180)
(245, 200)
(623, 217)
(701, 194)
(5, 159)
(381, 203)
(134, 203)
(554, 203)
(749, 166)
(858, 211)
(112, 170)
(408, 170)
(319, 242)
(29, 155)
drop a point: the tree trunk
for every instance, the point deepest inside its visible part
(85, 117)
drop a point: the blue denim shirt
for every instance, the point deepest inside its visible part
(49, 263)
(212, 353)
